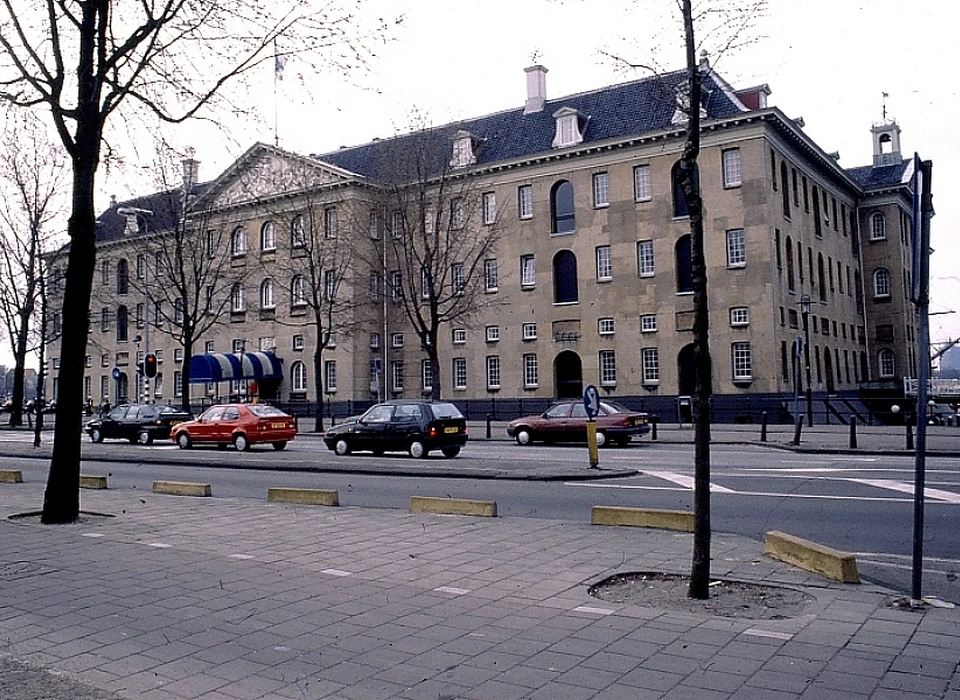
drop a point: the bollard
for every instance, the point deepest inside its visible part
(909, 436)
(653, 430)
(489, 418)
(798, 429)
(763, 427)
(853, 432)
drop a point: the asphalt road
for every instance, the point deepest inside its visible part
(861, 503)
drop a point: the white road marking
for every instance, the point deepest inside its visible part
(241, 556)
(336, 572)
(92, 534)
(594, 611)
(159, 545)
(902, 487)
(757, 632)
(453, 590)
(685, 481)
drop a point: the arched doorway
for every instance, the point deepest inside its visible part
(568, 375)
(687, 371)
(123, 389)
(828, 371)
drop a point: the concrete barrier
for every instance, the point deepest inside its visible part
(303, 497)
(182, 488)
(810, 556)
(453, 506)
(11, 476)
(680, 520)
(93, 482)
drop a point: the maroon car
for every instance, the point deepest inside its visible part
(566, 421)
(240, 424)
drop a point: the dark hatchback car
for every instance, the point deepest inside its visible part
(141, 423)
(566, 421)
(416, 427)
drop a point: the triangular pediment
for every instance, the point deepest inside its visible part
(266, 172)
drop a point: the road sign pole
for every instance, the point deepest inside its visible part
(591, 402)
(592, 443)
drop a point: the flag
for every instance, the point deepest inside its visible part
(279, 61)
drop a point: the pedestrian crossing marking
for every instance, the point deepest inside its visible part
(686, 481)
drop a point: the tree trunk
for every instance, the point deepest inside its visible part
(185, 374)
(318, 385)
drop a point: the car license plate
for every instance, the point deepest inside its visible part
(277, 426)
(451, 429)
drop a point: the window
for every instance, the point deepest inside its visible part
(268, 236)
(123, 277)
(561, 208)
(238, 241)
(208, 347)
(396, 375)
(784, 190)
(739, 316)
(459, 373)
(330, 376)
(140, 315)
(459, 336)
(731, 168)
(881, 282)
(878, 226)
(791, 275)
(208, 298)
(528, 275)
(491, 280)
(650, 360)
(178, 383)
(122, 324)
(493, 372)
(604, 264)
(489, 207)
(298, 376)
(457, 216)
(104, 320)
(267, 295)
(425, 284)
(330, 282)
(531, 372)
(396, 285)
(742, 364)
(608, 367)
(238, 345)
(105, 272)
(105, 360)
(736, 248)
(529, 331)
(178, 311)
(298, 342)
(565, 290)
(605, 326)
(298, 293)
(374, 341)
(887, 363)
(374, 228)
(397, 225)
(396, 340)
(684, 265)
(298, 232)
(642, 189)
(601, 190)
(237, 303)
(426, 375)
(331, 223)
(141, 266)
(645, 265)
(458, 278)
(525, 201)
(648, 323)
(493, 334)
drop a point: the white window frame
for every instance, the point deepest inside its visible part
(646, 264)
(268, 296)
(491, 277)
(529, 331)
(528, 271)
(642, 184)
(531, 371)
(298, 377)
(525, 201)
(458, 278)
(396, 375)
(736, 248)
(886, 363)
(604, 258)
(741, 360)
(374, 227)
(739, 316)
(268, 236)
(601, 190)
(330, 376)
(396, 340)
(298, 291)
(459, 336)
(492, 334)
(650, 365)
(493, 371)
(648, 323)
(374, 341)
(178, 383)
(298, 232)
(489, 208)
(878, 226)
(607, 361)
(426, 375)
(297, 342)
(605, 326)
(237, 299)
(331, 222)
(460, 373)
(457, 214)
(396, 285)
(882, 283)
(732, 174)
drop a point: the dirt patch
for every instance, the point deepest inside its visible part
(84, 518)
(749, 601)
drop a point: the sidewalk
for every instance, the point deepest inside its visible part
(178, 597)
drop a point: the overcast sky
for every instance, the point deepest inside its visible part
(827, 61)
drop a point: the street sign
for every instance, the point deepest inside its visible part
(116, 373)
(591, 400)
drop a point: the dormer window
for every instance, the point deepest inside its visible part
(570, 127)
(464, 149)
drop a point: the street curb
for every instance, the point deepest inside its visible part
(810, 556)
(679, 520)
(453, 506)
(303, 497)
(182, 488)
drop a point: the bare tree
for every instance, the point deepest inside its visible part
(170, 59)
(441, 234)
(33, 173)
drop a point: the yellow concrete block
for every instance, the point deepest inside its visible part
(453, 506)
(303, 497)
(182, 488)
(810, 556)
(643, 517)
(11, 476)
(93, 482)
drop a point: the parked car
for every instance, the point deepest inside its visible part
(141, 423)
(243, 424)
(566, 421)
(417, 427)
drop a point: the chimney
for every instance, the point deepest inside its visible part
(191, 169)
(536, 89)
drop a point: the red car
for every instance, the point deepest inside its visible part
(566, 421)
(243, 424)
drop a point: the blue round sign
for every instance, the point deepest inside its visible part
(116, 373)
(591, 400)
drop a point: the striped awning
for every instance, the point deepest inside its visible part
(220, 367)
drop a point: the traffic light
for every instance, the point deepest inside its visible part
(150, 365)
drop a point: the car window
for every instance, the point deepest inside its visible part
(378, 414)
(148, 412)
(212, 414)
(445, 410)
(231, 413)
(608, 408)
(264, 410)
(561, 410)
(579, 411)
(119, 412)
(406, 413)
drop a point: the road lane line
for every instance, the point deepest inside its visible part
(685, 481)
(902, 487)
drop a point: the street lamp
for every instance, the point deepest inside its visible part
(142, 214)
(805, 312)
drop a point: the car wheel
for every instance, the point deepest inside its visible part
(601, 439)
(183, 441)
(524, 437)
(279, 445)
(416, 449)
(144, 437)
(241, 442)
(96, 435)
(451, 451)
(341, 447)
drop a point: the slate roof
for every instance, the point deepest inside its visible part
(871, 177)
(166, 208)
(613, 112)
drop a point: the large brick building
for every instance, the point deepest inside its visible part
(589, 281)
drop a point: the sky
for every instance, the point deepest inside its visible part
(827, 61)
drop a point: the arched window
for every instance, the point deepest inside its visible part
(237, 302)
(298, 232)
(238, 241)
(881, 282)
(267, 295)
(887, 363)
(122, 320)
(268, 236)
(298, 291)
(878, 226)
(791, 284)
(561, 207)
(684, 264)
(123, 277)
(298, 375)
(680, 207)
(565, 278)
